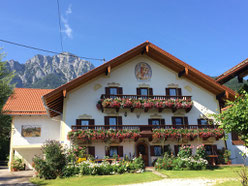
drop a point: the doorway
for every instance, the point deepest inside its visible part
(142, 148)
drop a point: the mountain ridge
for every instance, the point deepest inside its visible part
(48, 71)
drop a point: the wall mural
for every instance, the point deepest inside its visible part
(143, 72)
(31, 131)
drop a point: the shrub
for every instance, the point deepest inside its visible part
(182, 161)
(200, 152)
(116, 167)
(53, 161)
(185, 151)
(17, 164)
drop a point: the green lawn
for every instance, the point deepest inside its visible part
(100, 180)
(229, 183)
(222, 172)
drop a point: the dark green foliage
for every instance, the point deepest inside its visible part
(235, 85)
(54, 160)
(5, 121)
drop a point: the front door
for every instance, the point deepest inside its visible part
(143, 150)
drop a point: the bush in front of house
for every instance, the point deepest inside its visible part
(17, 164)
(184, 160)
(53, 161)
(107, 168)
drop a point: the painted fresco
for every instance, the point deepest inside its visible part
(31, 131)
(143, 72)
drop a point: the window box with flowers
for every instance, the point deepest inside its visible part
(87, 136)
(191, 134)
(146, 104)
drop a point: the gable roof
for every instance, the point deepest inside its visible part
(240, 70)
(54, 99)
(26, 101)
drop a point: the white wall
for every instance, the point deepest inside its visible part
(83, 99)
(237, 151)
(50, 129)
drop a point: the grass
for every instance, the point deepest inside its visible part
(222, 172)
(229, 183)
(128, 178)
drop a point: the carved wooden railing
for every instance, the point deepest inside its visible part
(104, 96)
(140, 127)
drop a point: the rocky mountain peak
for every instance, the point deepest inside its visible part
(63, 67)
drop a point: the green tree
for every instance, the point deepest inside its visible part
(235, 117)
(5, 120)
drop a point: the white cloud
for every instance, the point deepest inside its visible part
(69, 10)
(67, 29)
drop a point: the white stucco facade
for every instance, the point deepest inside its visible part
(81, 103)
(83, 99)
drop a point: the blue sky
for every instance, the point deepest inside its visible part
(210, 35)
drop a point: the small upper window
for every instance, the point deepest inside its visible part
(144, 92)
(178, 121)
(85, 122)
(156, 122)
(113, 91)
(203, 122)
(112, 121)
(172, 92)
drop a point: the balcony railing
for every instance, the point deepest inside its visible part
(158, 97)
(144, 102)
(141, 127)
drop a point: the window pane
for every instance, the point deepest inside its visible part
(113, 151)
(144, 91)
(179, 121)
(157, 151)
(208, 149)
(84, 122)
(173, 92)
(112, 121)
(155, 122)
(204, 122)
(113, 91)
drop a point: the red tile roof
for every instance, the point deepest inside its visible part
(26, 101)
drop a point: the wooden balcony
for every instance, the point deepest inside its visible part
(140, 127)
(159, 102)
(158, 97)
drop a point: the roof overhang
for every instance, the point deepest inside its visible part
(53, 101)
(240, 70)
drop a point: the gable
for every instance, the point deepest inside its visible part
(54, 100)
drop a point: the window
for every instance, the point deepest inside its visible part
(144, 92)
(84, 123)
(157, 150)
(113, 151)
(211, 149)
(113, 91)
(155, 122)
(180, 122)
(173, 92)
(202, 122)
(113, 121)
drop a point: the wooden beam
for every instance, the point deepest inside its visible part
(108, 70)
(240, 79)
(219, 96)
(64, 93)
(181, 73)
(147, 48)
